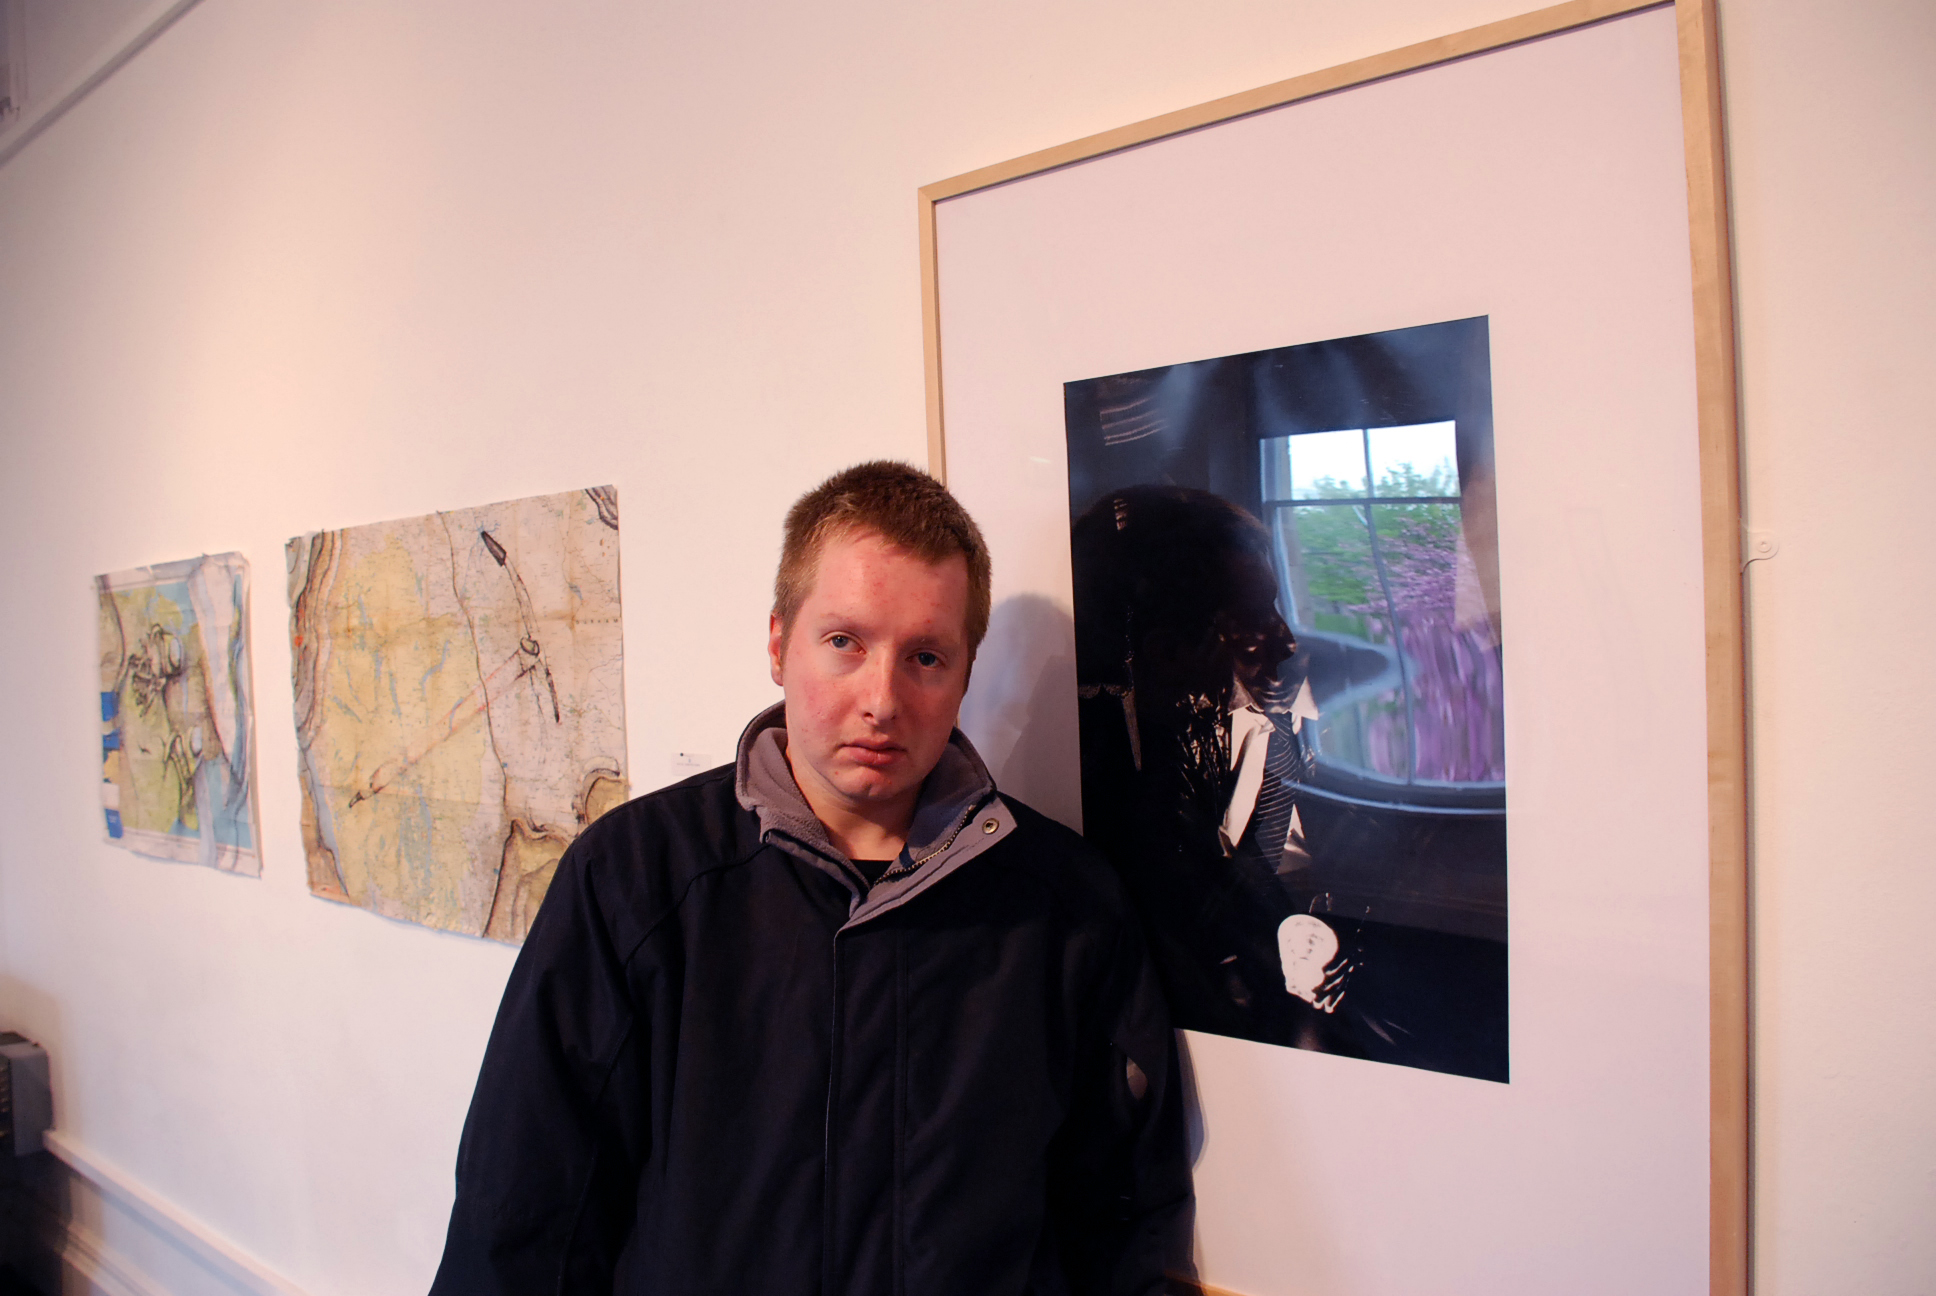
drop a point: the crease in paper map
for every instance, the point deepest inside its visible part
(460, 713)
(177, 720)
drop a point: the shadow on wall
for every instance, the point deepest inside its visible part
(1020, 711)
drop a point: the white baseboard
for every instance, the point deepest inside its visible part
(105, 1272)
(230, 1265)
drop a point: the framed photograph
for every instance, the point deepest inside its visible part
(1358, 459)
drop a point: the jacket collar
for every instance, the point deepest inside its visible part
(941, 837)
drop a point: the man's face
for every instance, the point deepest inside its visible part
(1252, 631)
(874, 670)
(1245, 636)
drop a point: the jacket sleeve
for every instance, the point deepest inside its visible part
(1119, 1180)
(547, 1169)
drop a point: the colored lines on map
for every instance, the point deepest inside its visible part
(459, 701)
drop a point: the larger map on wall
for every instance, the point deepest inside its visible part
(460, 710)
(177, 726)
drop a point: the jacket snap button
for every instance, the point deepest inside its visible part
(989, 825)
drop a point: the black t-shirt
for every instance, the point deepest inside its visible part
(872, 869)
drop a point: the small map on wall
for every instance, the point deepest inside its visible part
(460, 712)
(177, 724)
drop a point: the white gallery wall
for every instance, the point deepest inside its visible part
(310, 266)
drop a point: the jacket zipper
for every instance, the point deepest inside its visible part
(833, 1061)
(902, 870)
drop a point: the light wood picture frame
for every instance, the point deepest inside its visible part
(1714, 458)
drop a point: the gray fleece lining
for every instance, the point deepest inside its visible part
(957, 817)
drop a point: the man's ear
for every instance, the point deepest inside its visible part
(776, 647)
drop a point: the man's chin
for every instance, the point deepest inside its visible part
(874, 785)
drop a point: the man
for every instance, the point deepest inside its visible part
(839, 1018)
(1191, 752)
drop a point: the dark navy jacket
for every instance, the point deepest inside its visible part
(724, 1065)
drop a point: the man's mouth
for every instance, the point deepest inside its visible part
(873, 752)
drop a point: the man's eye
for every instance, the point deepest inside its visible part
(840, 641)
(927, 659)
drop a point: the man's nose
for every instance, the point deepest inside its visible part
(881, 689)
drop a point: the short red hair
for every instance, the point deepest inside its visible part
(901, 504)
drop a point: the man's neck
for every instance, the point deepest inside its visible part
(867, 830)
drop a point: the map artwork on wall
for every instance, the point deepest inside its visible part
(177, 723)
(1291, 683)
(460, 713)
